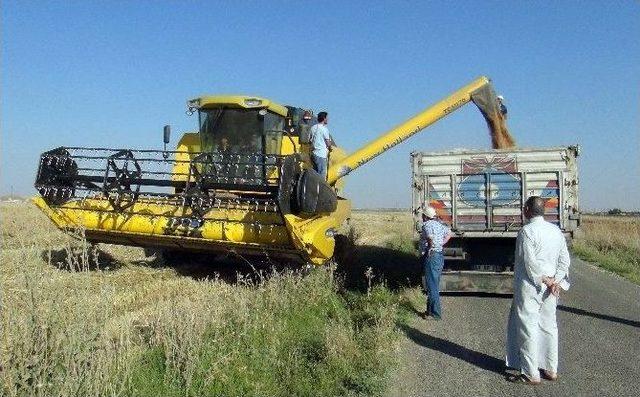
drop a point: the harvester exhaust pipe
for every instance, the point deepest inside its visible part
(479, 91)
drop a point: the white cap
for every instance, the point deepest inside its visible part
(429, 212)
(500, 97)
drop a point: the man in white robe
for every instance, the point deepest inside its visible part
(541, 271)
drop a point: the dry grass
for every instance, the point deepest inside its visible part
(110, 321)
(379, 228)
(79, 321)
(612, 242)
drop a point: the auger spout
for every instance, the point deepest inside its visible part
(479, 91)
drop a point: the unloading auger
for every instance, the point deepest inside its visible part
(243, 183)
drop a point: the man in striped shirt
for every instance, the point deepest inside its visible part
(434, 235)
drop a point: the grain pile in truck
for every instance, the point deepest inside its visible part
(481, 194)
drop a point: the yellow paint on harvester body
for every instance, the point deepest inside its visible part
(229, 225)
(257, 231)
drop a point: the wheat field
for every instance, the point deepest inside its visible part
(109, 320)
(612, 242)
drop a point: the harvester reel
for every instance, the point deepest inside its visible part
(202, 171)
(199, 201)
(202, 174)
(56, 176)
(118, 179)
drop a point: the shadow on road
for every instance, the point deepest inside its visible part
(582, 312)
(480, 360)
(478, 294)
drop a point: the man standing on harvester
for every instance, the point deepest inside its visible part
(502, 106)
(321, 144)
(434, 235)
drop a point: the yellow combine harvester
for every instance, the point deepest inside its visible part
(243, 183)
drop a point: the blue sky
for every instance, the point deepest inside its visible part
(82, 73)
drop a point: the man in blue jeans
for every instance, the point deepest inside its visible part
(434, 235)
(321, 144)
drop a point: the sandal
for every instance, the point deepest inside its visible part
(522, 379)
(548, 375)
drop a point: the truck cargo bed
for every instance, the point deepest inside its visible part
(480, 194)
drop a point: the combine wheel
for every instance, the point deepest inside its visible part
(151, 251)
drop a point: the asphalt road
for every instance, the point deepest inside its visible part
(462, 355)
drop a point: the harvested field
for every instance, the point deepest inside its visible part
(112, 321)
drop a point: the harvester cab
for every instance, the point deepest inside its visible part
(243, 183)
(237, 124)
(249, 140)
(242, 124)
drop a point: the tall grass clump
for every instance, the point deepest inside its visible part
(612, 243)
(75, 328)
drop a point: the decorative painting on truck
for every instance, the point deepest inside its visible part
(494, 178)
(487, 194)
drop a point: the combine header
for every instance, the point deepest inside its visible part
(243, 183)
